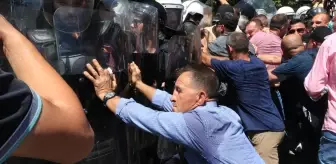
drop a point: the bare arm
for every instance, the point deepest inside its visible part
(62, 133)
(270, 59)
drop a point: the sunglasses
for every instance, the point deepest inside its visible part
(299, 30)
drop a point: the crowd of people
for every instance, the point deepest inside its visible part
(262, 91)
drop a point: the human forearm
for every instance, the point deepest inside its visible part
(147, 90)
(112, 104)
(270, 59)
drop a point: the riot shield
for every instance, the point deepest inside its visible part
(267, 5)
(183, 49)
(144, 27)
(144, 39)
(84, 34)
(22, 15)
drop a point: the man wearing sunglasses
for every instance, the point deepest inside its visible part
(297, 27)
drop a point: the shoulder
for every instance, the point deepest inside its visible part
(220, 39)
(207, 116)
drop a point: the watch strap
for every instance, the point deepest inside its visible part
(108, 96)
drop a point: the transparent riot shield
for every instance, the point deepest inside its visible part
(267, 5)
(84, 34)
(195, 56)
(144, 39)
(22, 15)
(144, 27)
(183, 49)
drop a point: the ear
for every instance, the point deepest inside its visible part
(230, 48)
(202, 98)
(222, 27)
(315, 43)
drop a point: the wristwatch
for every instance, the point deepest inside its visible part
(108, 96)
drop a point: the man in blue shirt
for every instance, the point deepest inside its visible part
(248, 76)
(211, 133)
(297, 63)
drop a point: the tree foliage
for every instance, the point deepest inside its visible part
(278, 3)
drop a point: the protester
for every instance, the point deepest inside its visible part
(216, 30)
(41, 115)
(268, 44)
(297, 27)
(321, 19)
(252, 27)
(189, 116)
(248, 76)
(291, 74)
(278, 29)
(317, 83)
(228, 22)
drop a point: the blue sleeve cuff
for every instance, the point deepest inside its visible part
(121, 106)
(23, 129)
(160, 97)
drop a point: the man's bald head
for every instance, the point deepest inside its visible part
(321, 19)
(291, 45)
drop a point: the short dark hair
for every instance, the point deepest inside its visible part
(256, 21)
(295, 21)
(263, 18)
(278, 21)
(239, 42)
(230, 21)
(203, 77)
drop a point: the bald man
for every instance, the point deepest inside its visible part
(296, 65)
(291, 45)
(321, 19)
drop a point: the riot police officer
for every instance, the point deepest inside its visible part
(192, 15)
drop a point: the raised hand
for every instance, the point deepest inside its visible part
(134, 74)
(104, 81)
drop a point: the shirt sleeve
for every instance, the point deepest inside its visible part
(168, 124)
(20, 110)
(162, 100)
(217, 48)
(316, 80)
(223, 68)
(286, 70)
